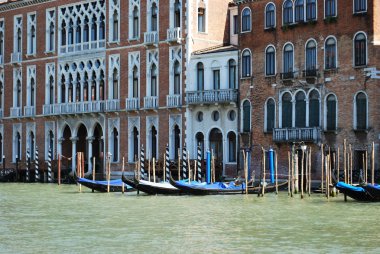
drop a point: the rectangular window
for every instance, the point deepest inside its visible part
(17, 46)
(31, 33)
(311, 10)
(50, 30)
(216, 78)
(330, 8)
(331, 114)
(360, 6)
(201, 20)
(270, 64)
(235, 24)
(2, 35)
(299, 12)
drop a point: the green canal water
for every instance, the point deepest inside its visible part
(42, 218)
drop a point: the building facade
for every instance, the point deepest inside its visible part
(304, 78)
(105, 78)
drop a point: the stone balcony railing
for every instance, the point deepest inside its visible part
(151, 38)
(112, 105)
(16, 112)
(173, 100)
(132, 104)
(29, 111)
(308, 134)
(174, 35)
(74, 108)
(16, 58)
(78, 47)
(151, 102)
(1, 113)
(212, 96)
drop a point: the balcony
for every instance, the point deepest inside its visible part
(151, 38)
(174, 35)
(151, 102)
(132, 104)
(287, 75)
(286, 135)
(112, 105)
(79, 47)
(74, 108)
(310, 73)
(173, 101)
(16, 58)
(16, 112)
(29, 111)
(212, 96)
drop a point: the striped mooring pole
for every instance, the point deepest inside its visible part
(184, 162)
(27, 166)
(199, 158)
(167, 170)
(37, 174)
(50, 180)
(142, 164)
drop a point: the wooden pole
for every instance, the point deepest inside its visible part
(366, 165)
(351, 164)
(109, 174)
(79, 169)
(373, 164)
(303, 156)
(213, 166)
(149, 170)
(122, 170)
(309, 171)
(154, 169)
(292, 171)
(263, 186)
(59, 169)
(323, 165)
(179, 164)
(164, 168)
(276, 173)
(345, 160)
(327, 176)
(189, 165)
(338, 160)
(289, 174)
(330, 159)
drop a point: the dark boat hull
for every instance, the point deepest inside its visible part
(373, 191)
(128, 181)
(7, 175)
(101, 187)
(356, 193)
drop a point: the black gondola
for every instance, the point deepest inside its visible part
(102, 186)
(154, 188)
(373, 191)
(7, 175)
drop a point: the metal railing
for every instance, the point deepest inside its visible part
(151, 102)
(174, 34)
(287, 75)
(212, 96)
(308, 134)
(310, 73)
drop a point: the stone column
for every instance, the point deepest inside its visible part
(89, 154)
(74, 153)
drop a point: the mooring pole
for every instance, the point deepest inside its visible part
(372, 164)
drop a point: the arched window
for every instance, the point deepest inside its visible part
(270, 61)
(101, 86)
(314, 109)
(177, 78)
(94, 30)
(19, 40)
(135, 30)
(32, 92)
(86, 30)
(115, 148)
(270, 115)
(1, 96)
(154, 13)
(330, 8)
(63, 89)
(246, 116)
(51, 36)
(330, 54)
(32, 40)
(93, 87)
(153, 80)
(71, 91)
(270, 16)
(78, 96)
(231, 146)
(331, 106)
(300, 110)
(287, 12)
(200, 77)
(115, 26)
(311, 10)
(360, 49)
(177, 14)
(361, 111)
(115, 82)
(63, 33)
(135, 88)
(85, 87)
(232, 74)
(246, 20)
(177, 141)
(246, 63)
(286, 110)
(311, 57)
(102, 27)
(135, 146)
(288, 58)
(154, 142)
(299, 11)
(1, 44)
(78, 32)
(18, 96)
(71, 33)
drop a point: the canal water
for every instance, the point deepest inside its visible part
(42, 218)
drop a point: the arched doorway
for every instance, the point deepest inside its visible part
(216, 146)
(97, 149)
(82, 144)
(66, 148)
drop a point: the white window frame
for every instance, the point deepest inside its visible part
(132, 5)
(175, 54)
(355, 123)
(228, 147)
(17, 75)
(132, 123)
(31, 73)
(307, 98)
(114, 63)
(150, 122)
(113, 123)
(324, 8)
(112, 8)
(353, 8)
(266, 113)
(251, 68)
(282, 13)
(205, 16)
(49, 71)
(353, 49)
(17, 25)
(325, 111)
(316, 53)
(265, 60)
(153, 58)
(242, 115)
(336, 52)
(50, 126)
(134, 61)
(2, 30)
(17, 127)
(250, 21)
(30, 24)
(283, 58)
(265, 15)
(50, 19)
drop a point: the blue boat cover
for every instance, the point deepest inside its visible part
(212, 186)
(116, 182)
(344, 185)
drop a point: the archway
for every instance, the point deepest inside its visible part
(216, 146)
(97, 149)
(66, 149)
(82, 143)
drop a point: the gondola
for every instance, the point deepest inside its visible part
(101, 186)
(128, 181)
(373, 191)
(221, 188)
(7, 175)
(152, 188)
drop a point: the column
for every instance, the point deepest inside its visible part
(293, 112)
(89, 154)
(97, 89)
(307, 113)
(74, 153)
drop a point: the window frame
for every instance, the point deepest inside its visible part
(243, 61)
(326, 112)
(316, 53)
(266, 17)
(325, 51)
(354, 50)
(283, 57)
(242, 117)
(266, 62)
(354, 11)
(355, 118)
(266, 130)
(291, 21)
(243, 18)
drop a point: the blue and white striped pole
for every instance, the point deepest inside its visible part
(208, 167)
(37, 174)
(184, 163)
(27, 166)
(167, 162)
(49, 167)
(271, 164)
(142, 164)
(199, 158)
